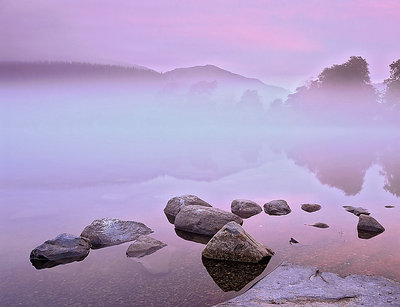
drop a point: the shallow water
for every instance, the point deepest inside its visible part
(70, 158)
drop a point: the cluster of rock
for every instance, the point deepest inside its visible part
(367, 226)
(66, 248)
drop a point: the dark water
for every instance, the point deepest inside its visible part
(68, 160)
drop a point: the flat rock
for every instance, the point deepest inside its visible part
(277, 207)
(319, 225)
(108, 232)
(310, 207)
(367, 223)
(143, 246)
(356, 210)
(204, 220)
(245, 208)
(175, 204)
(293, 285)
(65, 248)
(234, 244)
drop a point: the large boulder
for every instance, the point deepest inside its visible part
(175, 204)
(310, 207)
(245, 208)
(65, 248)
(144, 246)
(108, 232)
(203, 220)
(277, 207)
(234, 244)
(368, 224)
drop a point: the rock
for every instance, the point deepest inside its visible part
(319, 225)
(310, 207)
(108, 232)
(234, 244)
(175, 204)
(143, 246)
(203, 220)
(65, 248)
(233, 275)
(277, 207)
(389, 206)
(245, 208)
(194, 237)
(294, 285)
(367, 224)
(356, 210)
(293, 241)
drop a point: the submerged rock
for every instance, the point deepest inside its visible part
(293, 285)
(65, 248)
(143, 246)
(245, 208)
(389, 206)
(319, 225)
(107, 232)
(204, 220)
(356, 210)
(277, 207)
(293, 241)
(367, 224)
(233, 275)
(310, 207)
(175, 204)
(234, 244)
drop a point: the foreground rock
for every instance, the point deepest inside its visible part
(356, 210)
(292, 285)
(233, 275)
(175, 204)
(277, 207)
(310, 207)
(245, 208)
(204, 220)
(108, 232)
(367, 224)
(144, 246)
(233, 243)
(65, 248)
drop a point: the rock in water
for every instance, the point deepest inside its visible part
(310, 207)
(319, 225)
(108, 232)
(63, 249)
(277, 207)
(175, 204)
(143, 246)
(245, 208)
(204, 220)
(367, 223)
(234, 244)
(356, 210)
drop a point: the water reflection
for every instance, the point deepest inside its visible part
(233, 275)
(367, 235)
(194, 237)
(40, 264)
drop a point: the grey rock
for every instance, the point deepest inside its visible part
(310, 207)
(389, 206)
(143, 246)
(234, 244)
(245, 208)
(356, 210)
(367, 223)
(204, 220)
(277, 207)
(108, 232)
(319, 225)
(293, 285)
(65, 248)
(175, 204)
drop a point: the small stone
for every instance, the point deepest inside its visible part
(175, 204)
(389, 206)
(245, 208)
(277, 207)
(369, 224)
(310, 207)
(144, 246)
(234, 244)
(356, 210)
(320, 225)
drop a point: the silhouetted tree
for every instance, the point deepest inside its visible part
(392, 95)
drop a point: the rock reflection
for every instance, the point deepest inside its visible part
(194, 237)
(41, 264)
(367, 235)
(233, 275)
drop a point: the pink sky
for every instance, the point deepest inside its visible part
(281, 42)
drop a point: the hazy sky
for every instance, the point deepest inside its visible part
(277, 41)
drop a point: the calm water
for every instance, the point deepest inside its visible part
(68, 158)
